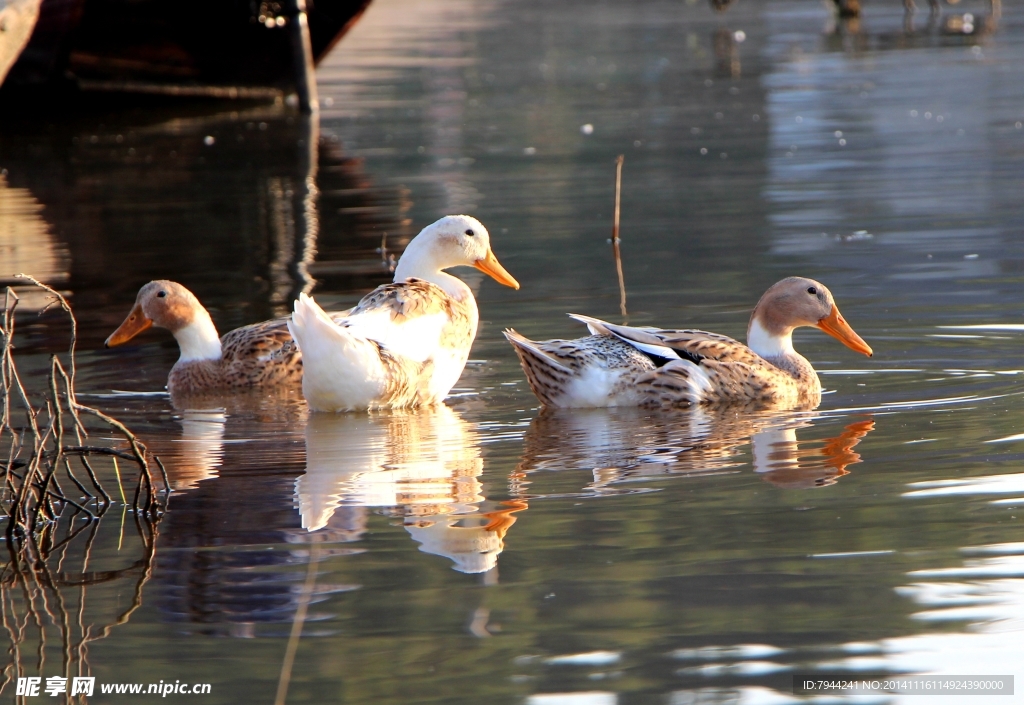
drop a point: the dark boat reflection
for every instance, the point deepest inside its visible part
(246, 206)
(623, 446)
(234, 49)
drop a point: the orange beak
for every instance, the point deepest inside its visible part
(491, 266)
(132, 326)
(835, 325)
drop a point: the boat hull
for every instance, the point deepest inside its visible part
(229, 48)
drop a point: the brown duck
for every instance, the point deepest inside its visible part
(654, 367)
(257, 355)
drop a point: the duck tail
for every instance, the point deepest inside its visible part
(548, 378)
(340, 370)
(595, 325)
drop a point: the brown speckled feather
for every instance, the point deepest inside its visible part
(259, 355)
(553, 366)
(688, 343)
(729, 381)
(714, 369)
(407, 299)
(412, 340)
(682, 367)
(708, 345)
(262, 353)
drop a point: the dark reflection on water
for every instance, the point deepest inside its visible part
(487, 551)
(214, 199)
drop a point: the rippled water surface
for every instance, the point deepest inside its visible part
(486, 551)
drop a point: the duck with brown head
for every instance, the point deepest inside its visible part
(254, 356)
(627, 366)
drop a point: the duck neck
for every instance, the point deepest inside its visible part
(419, 261)
(198, 340)
(774, 449)
(770, 344)
(776, 347)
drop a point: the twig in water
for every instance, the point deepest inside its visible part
(117, 472)
(38, 509)
(39, 501)
(300, 619)
(96, 483)
(615, 235)
(167, 483)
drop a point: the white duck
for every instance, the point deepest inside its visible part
(405, 344)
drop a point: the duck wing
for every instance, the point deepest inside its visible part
(695, 366)
(413, 319)
(404, 344)
(261, 353)
(668, 344)
(716, 381)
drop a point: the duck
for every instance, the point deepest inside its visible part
(260, 355)
(654, 367)
(404, 344)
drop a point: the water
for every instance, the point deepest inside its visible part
(488, 552)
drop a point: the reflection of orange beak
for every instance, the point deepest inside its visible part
(838, 328)
(838, 454)
(839, 451)
(502, 519)
(491, 266)
(132, 326)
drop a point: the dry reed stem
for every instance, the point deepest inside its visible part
(615, 235)
(36, 499)
(39, 546)
(298, 621)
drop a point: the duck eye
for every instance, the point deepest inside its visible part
(812, 291)
(162, 294)
(470, 233)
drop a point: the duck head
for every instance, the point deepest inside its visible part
(790, 304)
(453, 241)
(167, 304)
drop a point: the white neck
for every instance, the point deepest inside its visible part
(198, 340)
(419, 261)
(769, 345)
(774, 450)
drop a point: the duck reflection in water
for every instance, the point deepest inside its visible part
(216, 573)
(198, 453)
(781, 461)
(423, 466)
(200, 450)
(622, 446)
